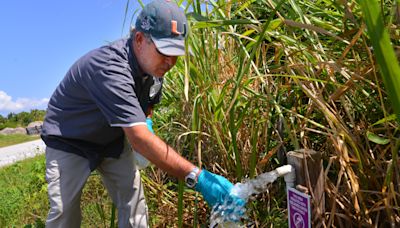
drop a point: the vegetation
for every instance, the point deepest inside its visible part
(267, 77)
(21, 119)
(8, 140)
(23, 197)
(23, 193)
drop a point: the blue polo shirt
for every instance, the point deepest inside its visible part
(102, 92)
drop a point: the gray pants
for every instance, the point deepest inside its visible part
(66, 175)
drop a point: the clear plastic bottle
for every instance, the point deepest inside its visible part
(139, 160)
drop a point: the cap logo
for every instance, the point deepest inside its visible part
(145, 25)
(174, 28)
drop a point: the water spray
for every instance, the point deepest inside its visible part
(228, 214)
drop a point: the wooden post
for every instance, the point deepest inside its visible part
(310, 178)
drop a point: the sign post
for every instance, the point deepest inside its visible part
(299, 209)
(310, 179)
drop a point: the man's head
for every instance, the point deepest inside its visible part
(166, 24)
(159, 36)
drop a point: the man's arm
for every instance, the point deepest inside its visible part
(157, 151)
(214, 188)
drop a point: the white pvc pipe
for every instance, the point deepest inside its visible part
(288, 173)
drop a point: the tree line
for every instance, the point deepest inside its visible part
(21, 119)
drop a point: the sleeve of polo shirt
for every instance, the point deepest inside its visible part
(111, 86)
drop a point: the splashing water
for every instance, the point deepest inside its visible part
(229, 214)
(254, 186)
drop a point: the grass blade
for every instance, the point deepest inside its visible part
(383, 50)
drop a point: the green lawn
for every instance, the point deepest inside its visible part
(8, 140)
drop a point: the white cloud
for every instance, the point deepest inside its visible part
(7, 104)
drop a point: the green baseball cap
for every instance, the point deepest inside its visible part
(166, 24)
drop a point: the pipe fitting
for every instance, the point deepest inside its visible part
(288, 173)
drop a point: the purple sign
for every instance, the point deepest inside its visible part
(299, 209)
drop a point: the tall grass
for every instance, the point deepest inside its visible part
(267, 77)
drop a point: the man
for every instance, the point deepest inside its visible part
(106, 96)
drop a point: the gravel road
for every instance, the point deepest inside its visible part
(12, 154)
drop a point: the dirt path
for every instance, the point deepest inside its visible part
(14, 153)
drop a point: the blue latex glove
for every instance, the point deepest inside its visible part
(149, 123)
(216, 189)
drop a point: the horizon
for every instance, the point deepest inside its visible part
(28, 111)
(45, 38)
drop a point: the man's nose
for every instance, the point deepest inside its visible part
(170, 60)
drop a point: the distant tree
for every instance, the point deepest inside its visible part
(24, 118)
(11, 116)
(21, 119)
(37, 115)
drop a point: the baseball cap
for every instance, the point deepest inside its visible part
(166, 24)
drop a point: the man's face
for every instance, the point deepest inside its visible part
(150, 59)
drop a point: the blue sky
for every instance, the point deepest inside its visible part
(41, 39)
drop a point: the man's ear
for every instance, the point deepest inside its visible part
(139, 38)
